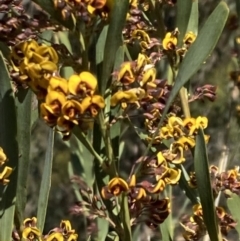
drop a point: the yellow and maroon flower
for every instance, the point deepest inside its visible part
(114, 188)
(169, 42)
(83, 84)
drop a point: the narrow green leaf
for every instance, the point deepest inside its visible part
(204, 187)
(233, 204)
(166, 229)
(55, 14)
(193, 20)
(113, 41)
(183, 183)
(45, 182)
(34, 112)
(24, 104)
(184, 8)
(8, 141)
(101, 45)
(126, 218)
(83, 139)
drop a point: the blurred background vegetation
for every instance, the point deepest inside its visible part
(224, 120)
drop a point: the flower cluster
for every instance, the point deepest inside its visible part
(182, 133)
(194, 228)
(16, 25)
(143, 205)
(86, 9)
(229, 180)
(62, 233)
(6, 171)
(72, 102)
(34, 65)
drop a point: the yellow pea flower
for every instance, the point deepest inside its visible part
(179, 158)
(149, 75)
(142, 60)
(55, 100)
(66, 226)
(48, 115)
(3, 157)
(172, 176)
(189, 38)
(115, 187)
(125, 74)
(93, 104)
(64, 126)
(83, 84)
(185, 142)
(5, 174)
(71, 111)
(31, 233)
(141, 34)
(169, 42)
(128, 96)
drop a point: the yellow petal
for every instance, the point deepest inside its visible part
(159, 187)
(141, 61)
(160, 158)
(89, 79)
(126, 68)
(174, 120)
(86, 103)
(189, 38)
(73, 84)
(173, 176)
(72, 237)
(202, 122)
(3, 157)
(148, 76)
(58, 84)
(55, 96)
(169, 42)
(99, 101)
(31, 231)
(66, 225)
(132, 182)
(129, 96)
(5, 173)
(55, 236)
